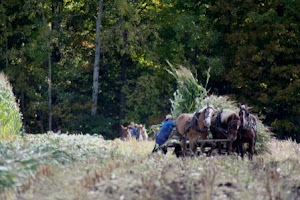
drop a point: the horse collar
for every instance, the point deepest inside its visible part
(194, 123)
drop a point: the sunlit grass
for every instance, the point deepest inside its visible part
(283, 150)
(133, 147)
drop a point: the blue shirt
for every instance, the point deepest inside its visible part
(133, 131)
(165, 131)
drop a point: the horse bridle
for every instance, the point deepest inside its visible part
(205, 111)
(245, 117)
(248, 124)
(196, 119)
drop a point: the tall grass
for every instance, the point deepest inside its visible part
(191, 96)
(10, 117)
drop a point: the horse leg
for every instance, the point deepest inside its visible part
(193, 146)
(241, 149)
(219, 145)
(183, 146)
(203, 143)
(212, 149)
(251, 150)
(192, 136)
(229, 147)
(203, 147)
(235, 148)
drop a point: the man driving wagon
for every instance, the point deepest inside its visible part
(163, 135)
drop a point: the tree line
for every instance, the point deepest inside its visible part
(89, 66)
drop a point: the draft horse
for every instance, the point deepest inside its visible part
(125, 133)
(225, 125)
(142, 133)
(193, 127)
(247, 132)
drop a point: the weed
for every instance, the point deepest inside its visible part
(208, 181)
(272, 183)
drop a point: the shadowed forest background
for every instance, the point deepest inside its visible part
(47, 49)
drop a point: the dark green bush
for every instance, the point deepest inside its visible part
(99, 125)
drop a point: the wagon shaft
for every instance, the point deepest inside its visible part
(176, 142)
(213, 140)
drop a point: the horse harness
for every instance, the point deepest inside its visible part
(193, 123)
(250, 124)
(218, 126)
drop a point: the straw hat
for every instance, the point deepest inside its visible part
(131, 125)
(169, 117)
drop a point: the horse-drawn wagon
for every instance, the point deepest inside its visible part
(203, 146)
(213, 132)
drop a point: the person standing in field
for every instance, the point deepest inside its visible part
(133, 130)
(163, 135)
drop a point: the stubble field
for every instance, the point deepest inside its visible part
(89, 167)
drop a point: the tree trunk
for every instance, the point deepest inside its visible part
(122, 94)
(6, 46)
(49, 78)
(49, 87)
(97, 61)
(54, 55)
(124, 66)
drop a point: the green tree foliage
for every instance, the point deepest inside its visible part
(261, 40)
(24, 51)
(250, 48)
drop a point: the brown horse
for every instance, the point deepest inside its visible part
(225, 125)
(247, 132)
(125, 133)
(193, 126)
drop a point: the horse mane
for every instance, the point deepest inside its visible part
(226, 113)
(253, 116)
(202, 109)
(243, 107)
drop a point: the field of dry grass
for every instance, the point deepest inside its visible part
(99, 169)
